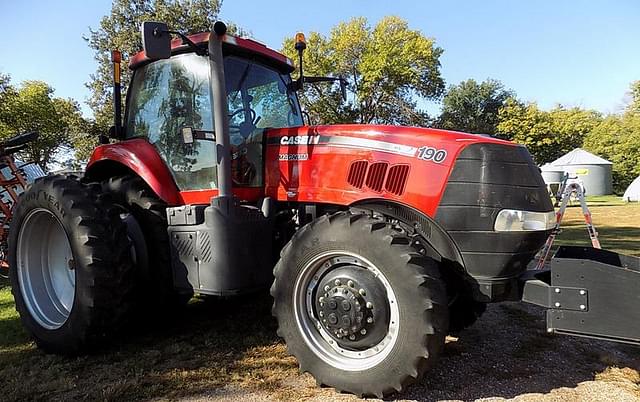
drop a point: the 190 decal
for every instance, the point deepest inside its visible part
(431, 154)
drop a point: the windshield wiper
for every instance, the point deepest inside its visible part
(243, 78)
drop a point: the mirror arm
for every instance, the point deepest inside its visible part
(321, 79)
(341, 80)
(186, 41)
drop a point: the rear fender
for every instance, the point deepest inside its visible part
(141, 158)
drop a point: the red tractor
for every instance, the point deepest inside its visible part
(384, 239)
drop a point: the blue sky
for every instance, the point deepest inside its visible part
(577, 53)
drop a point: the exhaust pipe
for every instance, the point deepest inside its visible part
(220, 112)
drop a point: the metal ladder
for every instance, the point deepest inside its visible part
(567, 190)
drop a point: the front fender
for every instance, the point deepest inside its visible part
(143, 159)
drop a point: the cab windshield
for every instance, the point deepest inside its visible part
(168, 95)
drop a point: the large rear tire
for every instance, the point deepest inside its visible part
(146, 214)
(70, 265)
(358, 306)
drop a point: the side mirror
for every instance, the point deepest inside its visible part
(156, 40)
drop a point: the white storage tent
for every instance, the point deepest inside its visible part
(632, 193)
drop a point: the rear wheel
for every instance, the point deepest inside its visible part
(358, 306)
(146, 220)
(69, 265)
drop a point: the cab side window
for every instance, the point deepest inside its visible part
(166, 96)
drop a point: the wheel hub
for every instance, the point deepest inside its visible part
(352, 307)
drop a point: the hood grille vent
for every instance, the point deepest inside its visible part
(378, 176)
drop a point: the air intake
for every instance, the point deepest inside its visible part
(375, 176)
(357, 173)
(397, 179)
(378, 176)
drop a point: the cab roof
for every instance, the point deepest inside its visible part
(230, 43)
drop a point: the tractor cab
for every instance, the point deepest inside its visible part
(170, 105)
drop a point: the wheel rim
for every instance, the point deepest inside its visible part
(45, 268)
(353, 350)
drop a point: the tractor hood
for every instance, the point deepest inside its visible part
(425, 144)
(346, 163)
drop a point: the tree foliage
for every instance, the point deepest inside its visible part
(32, 107)
(473, 107)
(121, 30)
(617, 138)
(388, 67)
(547, 134)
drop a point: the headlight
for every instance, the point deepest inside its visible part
(511, 220)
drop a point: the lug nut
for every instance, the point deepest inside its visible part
(350, 284)
(346, 306)
(333, 319)
(370, 320)
(369, 305)
(321, 314)
(363, 332)
(346, 321)
(352, 337)
(321, 299)
(337, 282)
(333, 305)
(362, 292)
(327, 288)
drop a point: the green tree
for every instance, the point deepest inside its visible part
(617, 138)
(387, 67)
(634, 105)
(473, 107)
(547, 135)
(32, 107)
(121, 30)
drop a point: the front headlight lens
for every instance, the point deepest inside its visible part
(511, 220)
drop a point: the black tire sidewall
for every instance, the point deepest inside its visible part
(93, 316)
(414, 305)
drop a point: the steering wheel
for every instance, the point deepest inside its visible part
(246, 127)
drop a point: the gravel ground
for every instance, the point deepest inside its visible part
(506, 355)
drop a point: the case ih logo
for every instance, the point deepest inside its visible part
(300, 140)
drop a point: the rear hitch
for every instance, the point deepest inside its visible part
(588, 292)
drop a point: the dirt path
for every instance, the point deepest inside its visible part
(506, 355)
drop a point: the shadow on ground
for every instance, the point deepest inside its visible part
(508, 353)
(204, 346)
(211, 346)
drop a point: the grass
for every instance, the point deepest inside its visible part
(205, 347)
(212, 344)
(617, 224)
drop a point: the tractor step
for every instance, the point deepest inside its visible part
(588, 292)
(221, 249)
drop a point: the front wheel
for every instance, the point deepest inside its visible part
(358, 306)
